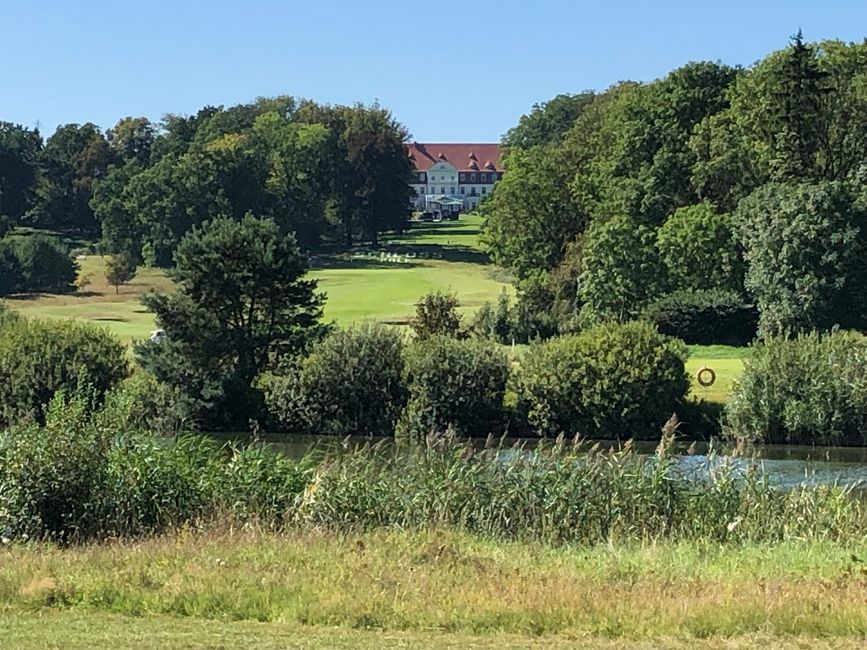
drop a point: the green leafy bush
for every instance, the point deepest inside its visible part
(84, 476)
(351, 382)
(51, 477)
(621, 381)
(455, 385)
(705, 317)
(435, 314)
(10, 269)
(40, 358)
(621, 269)
(806, 390)
(45, 265)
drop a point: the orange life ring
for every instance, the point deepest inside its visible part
(705, 376)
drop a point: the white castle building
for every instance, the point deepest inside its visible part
(453, 178)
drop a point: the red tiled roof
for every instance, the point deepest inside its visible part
(462, 156)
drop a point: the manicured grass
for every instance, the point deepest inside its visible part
(727, 372)
(414, 586)
(357, 287)
(70, 630)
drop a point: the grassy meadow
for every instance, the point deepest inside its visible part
(429, 589)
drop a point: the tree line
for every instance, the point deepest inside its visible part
(712, 186)
(326, 173)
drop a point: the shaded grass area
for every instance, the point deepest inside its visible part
(436, 581)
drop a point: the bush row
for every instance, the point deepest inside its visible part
(610, 381)
(705, 317)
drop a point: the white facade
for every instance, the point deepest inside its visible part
(444, 179)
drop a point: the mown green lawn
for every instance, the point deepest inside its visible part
(65, 630)
(365, 285)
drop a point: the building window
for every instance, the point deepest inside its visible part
(463, 177)
(483, 178)
(452, 189)
(472, 177)
(484, 190)
(463, 190)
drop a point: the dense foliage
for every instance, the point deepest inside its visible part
(805, 390)
(611, 381)
(700, 251)
(322, 172)
(350, 383)
(35, 264)
(658, 170)
(81, 477)
(454, 385)
(436, 314)
(806, 246)
(38, 359)
(621, 270)
(240, 300)
(704, 317)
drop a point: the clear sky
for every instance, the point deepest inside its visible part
(450, 71)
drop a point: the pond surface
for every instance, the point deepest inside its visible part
(785, 465)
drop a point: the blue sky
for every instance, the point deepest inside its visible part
(450, 71)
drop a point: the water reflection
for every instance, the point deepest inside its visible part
(785, 465)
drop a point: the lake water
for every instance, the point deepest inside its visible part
(786, 465)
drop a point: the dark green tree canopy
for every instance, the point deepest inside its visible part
(806, 249)
(241, 300)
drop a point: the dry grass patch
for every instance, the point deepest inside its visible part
(450, 582)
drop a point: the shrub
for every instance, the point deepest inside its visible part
(84, 476)
(40, 358)
(51, 477)
(494, 322)
(455, 385)
(806, 390)
(609, 381)
(436, 313)
(351, 382)
(45, 265)
(705, 317)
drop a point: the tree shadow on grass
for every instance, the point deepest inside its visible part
(30, 297)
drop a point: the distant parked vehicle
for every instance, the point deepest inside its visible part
(426, 216)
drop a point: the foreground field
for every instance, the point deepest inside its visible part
(435, 589)
(65, 630)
